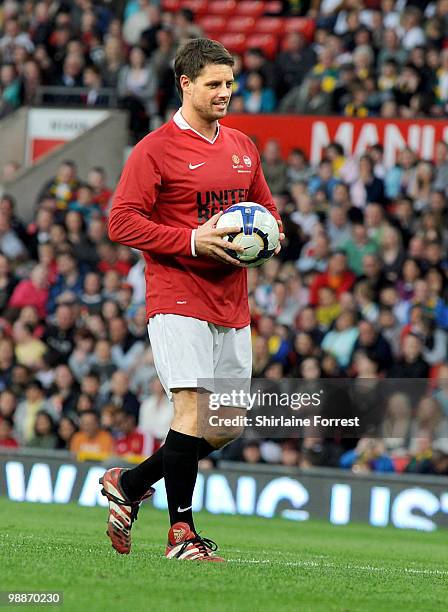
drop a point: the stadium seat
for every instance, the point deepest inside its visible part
(212, 24)
(273, 8)
(235, 43)
(222, 7)
(170, 5)
(303, 25)
(199, 7)
(269, 25)
(267, 42)
(253, 8)
(241, 24)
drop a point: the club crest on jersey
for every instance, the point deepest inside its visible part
(239, 166)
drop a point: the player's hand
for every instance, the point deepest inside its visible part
(281, 238)
(209, 242)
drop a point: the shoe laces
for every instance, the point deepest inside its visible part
(205, 544)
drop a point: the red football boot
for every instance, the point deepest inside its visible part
(122, 511)
(189, 546)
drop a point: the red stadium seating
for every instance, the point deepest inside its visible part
(170, 5)
(235, 43)
(270, 25)
(213, 24)
(199, 7)
(253, 8)
(241, 24)
(273, 8)
(305, 25)
(222, 7)
(267, 42)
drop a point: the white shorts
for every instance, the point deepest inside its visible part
(188, 350)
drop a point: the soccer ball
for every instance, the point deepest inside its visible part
(259, 233)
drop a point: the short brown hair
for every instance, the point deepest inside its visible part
(192, 57)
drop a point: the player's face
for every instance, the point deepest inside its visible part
(209, 95)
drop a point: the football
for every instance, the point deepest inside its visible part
(259, 232)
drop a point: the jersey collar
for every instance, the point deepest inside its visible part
(183, 125)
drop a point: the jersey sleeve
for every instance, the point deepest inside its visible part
(130, 216)
(259, 191)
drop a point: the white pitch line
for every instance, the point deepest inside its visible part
(348, 567)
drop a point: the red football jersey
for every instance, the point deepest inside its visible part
(174, 180)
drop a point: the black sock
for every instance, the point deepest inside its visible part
(180, 469)
(137, 481)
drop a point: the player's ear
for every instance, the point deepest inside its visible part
(185, 84)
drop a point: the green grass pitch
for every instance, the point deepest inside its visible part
(273, 565)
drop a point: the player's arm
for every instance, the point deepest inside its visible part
(134, 199)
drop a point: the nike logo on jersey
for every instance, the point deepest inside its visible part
(194, 166)
(179, 509)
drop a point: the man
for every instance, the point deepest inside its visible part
(91, 438)
(130, 441)
(337, 276)
(173, 188)
(59, 336)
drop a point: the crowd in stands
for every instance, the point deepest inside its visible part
(357, 58)
(359, 290)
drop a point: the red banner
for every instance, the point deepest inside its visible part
(313, 134)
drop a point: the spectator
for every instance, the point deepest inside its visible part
(69, 282)
(91, 439)
(274, 167)
(156, 412)
(324, 180)
(64, 393)
(293, 62)
(396, 428)
(44, 432)
(7, 439)
(27, 410)
(81, 359)
(357, 247)
(368, 456)
(337, 276)
(102, 364)
(66, 429)
(10, 244)
(125, 348)
(59, 337)
(97, 179)
(85, 203)
(29, 350)
(257, 97)
(411, 364)
(63, 186)
(121, 396)
(338, 227)
(7, 282)
(341, 340)
(137, 88)
(32, 291)
(372, 341)
(129, 441)
(8, 208)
